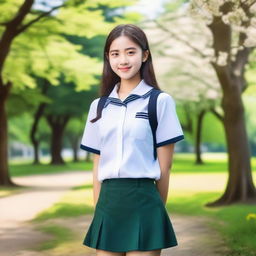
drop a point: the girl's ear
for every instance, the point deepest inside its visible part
(145, 56)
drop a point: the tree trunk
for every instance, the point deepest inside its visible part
(56, 144)
(231, 75)
(34, 140)
(35, 144)
(74, 143)
(240, 187)
(199, 137)
(37, 117)
(4, 172)
(57, 124)
(9, 33)
(75, 156)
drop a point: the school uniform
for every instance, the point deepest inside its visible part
(130, 214)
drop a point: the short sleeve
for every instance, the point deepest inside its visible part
(169, 129)
(91, 137)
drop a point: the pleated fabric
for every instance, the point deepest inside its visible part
(130, 215)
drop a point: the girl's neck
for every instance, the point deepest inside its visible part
(128, 85)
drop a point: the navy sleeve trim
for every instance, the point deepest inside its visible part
(92, 150)
(173, 140)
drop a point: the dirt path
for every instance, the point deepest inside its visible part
(41, 193)
(17, 236)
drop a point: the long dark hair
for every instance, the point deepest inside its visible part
(109, 77)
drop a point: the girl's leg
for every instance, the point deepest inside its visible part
(108, 253)
(144, 253)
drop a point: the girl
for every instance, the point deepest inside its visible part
(130, 186)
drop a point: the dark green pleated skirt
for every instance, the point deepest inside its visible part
(130, 216)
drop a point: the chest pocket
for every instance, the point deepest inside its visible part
(140, 127)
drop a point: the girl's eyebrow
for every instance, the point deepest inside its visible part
(126, 49)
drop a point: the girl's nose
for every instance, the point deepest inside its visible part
(123, 59)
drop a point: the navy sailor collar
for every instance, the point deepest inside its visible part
(142, 90)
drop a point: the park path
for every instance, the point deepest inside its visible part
(41, 193)
(17, 235)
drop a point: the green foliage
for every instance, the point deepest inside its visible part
(213, 130)
(74, 131)
(19, 127)
(75, 125)
(92, 47)
(48, 58)
(25, 100)
(8, 9)
(67, 101)
(43, 51)
(250, 117)
(250, 75)
(82, 22)
(129, 17)
(171, 6)
(43, 134)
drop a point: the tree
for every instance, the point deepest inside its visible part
(33, 29)
(231, 24)
(229, 33)
(66, 103)
(21, 105)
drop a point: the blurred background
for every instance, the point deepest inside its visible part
(51, 56)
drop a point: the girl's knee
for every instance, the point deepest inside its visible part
(144, 253)
(108, 253)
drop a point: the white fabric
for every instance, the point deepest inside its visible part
(123, 137)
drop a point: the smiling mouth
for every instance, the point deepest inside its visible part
(124, 69)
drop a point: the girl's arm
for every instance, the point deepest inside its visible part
(165, 154)
(96, 183)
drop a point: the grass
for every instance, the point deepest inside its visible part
(76, 202)
(186, 163)
(8, 191)
(59, 235)
(21, 169)
(230, 220)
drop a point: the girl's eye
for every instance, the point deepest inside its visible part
(131, 52)
(113, 54)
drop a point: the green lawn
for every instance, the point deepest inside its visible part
(23, 169)
(211, 163)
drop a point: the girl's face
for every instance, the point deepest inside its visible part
(126, 57)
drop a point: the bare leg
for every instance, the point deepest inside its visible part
(144, 253)
(108, 253)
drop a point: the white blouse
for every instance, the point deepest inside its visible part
(123, 137)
